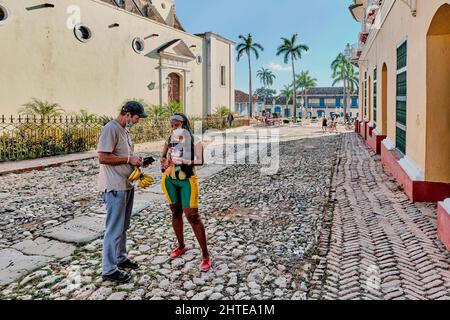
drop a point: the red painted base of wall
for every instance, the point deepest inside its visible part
(366, 130)
(417, 191)
(443, 222)
(374, 141)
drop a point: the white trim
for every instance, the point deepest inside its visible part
(404, 69)
(413, 172)
(402, 41)
(78, 37)
(388, 144)
(446, 205)
(378, 133)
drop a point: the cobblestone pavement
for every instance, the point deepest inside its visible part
(37, 200)
(261, 232)
(377, 244)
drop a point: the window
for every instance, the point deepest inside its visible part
(330, 101)
(401, 103)
(82, 32)
(4, 14)
(365, 94)
(375, 96)
(354, 102)
(222, 76)
(322, 102)
(338, 102)
(138, 45)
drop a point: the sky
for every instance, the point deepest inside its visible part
(326, 26)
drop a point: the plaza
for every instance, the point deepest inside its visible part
(350, 200)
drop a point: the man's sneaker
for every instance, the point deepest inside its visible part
(118, 276)
(206, 264)
(128, 264)
(177, 252)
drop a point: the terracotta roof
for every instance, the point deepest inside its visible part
(242, 97)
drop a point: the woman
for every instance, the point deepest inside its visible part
(180, 185)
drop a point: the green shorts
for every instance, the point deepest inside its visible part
(181, 191)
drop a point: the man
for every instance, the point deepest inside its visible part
(117, 161)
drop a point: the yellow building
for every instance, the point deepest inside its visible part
(404, 61)
(94, 54)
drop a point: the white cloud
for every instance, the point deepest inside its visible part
(278, 67)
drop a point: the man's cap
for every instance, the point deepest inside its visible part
(177, 117)
(135, 108)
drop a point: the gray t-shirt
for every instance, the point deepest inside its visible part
(116, 140)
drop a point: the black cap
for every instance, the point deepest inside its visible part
(135, 108)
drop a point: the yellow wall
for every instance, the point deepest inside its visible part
(399, 26)
(40, 57)
(438, 99)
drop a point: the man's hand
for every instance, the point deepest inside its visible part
(136, 161)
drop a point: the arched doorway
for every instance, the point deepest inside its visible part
(174, 88)
(384, 99)
(437, 156)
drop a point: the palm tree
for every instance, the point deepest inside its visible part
(266, 77)
(353, 78)
(293, 50)
(157, 112)
(305, 82)
(85, 116)
(222, 111)
(286, 92)
(343, 71)
(173, 108)
(247, 46)
(41, 109)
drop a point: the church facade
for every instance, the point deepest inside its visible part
(95, 54)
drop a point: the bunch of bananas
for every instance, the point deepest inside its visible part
(135, 175)
(144, 180)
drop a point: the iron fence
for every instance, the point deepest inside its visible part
(31, 137)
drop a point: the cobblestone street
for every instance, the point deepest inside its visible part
(261, 230)
(378, 245)
(331, 224)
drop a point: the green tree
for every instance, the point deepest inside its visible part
(41, 109)
(173, 107)
(266, 77)
(247, 47)
(222, 111)
(86, 116)
(286, 92)
(343, 71)
(157, 112)
(304, 83)
(263, 93)
(292, 50)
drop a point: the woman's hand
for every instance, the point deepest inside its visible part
(164, 163)
(177, 161)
